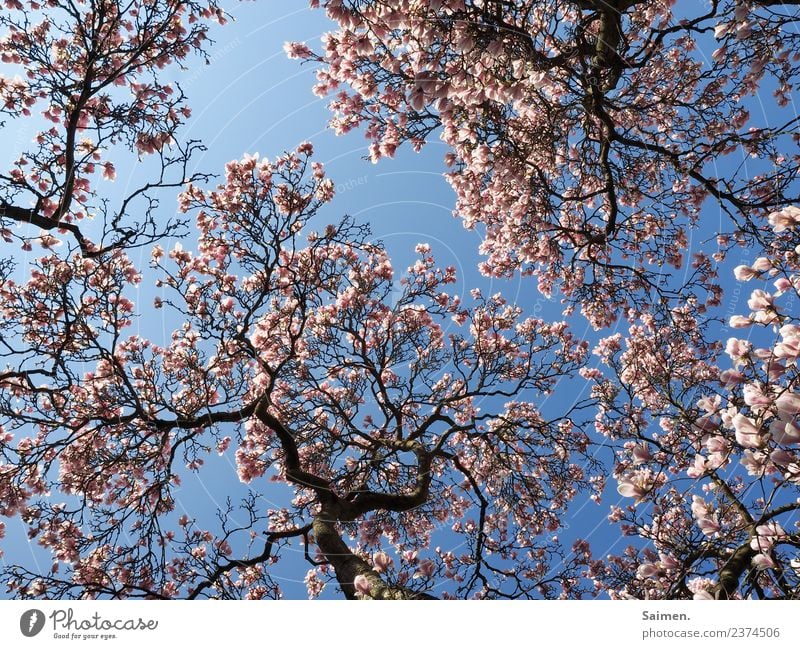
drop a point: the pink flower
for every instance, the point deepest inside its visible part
(765, 317)
(635, 485)
(737, 348)
(709, 404)
(722, 29)
(647, 570)
(410, 556)
(760, 300)
(668, 562)
(755, 398)
(782, 285)
(785, 432)
(361, 584)
(226, 305)
(426, 568)
(314, 584)
(788, 403)
(763, 562)
(731, 378)
(785, 219)
(788, 348)
(707, 521)
(295, 50)
(754, 462)
(766, 536)
(717, 444)
(698, 469)
(109, 172)
(381, 561)
(744, 273)
(48, 241)
(703, 594)
(782, 458)
(747, 433)
(305, 148)
(762, 264)
(641, 454)
(740, 321)
(772, 529)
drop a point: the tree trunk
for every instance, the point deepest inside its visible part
(348, 566)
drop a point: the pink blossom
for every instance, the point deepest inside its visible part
(426, 568)
(760, 300)
(788, 403)
(755, 398)
(783, 459)
(707, 521)
(785, 431)
(109, 172)
(698, 469)
(641, 453)
(763, 561)
(740, 321)
(782, 285)
(747, 432)
(226, 305)
(709, 404)
(296, 50)
(314, 584)
(766, 535)
(722, 29)
(703, 595)
(361, 584)
(668, 561)
(731, 378)
(762, 264)
(635, 485)
(755, 462)
(381, 561)
(719, 54)
(788, 348)
(784, 219)
(410, 556)
(647, 570)
(737, 349)
(744, 273)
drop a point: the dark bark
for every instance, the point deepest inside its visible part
(348, 566)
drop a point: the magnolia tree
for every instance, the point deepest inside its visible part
(587, 141)
(391, 432)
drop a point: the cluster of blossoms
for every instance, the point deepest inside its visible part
(583, 137)
(290, 358)
(748, 422)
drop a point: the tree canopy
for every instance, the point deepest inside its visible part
(590, 143)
